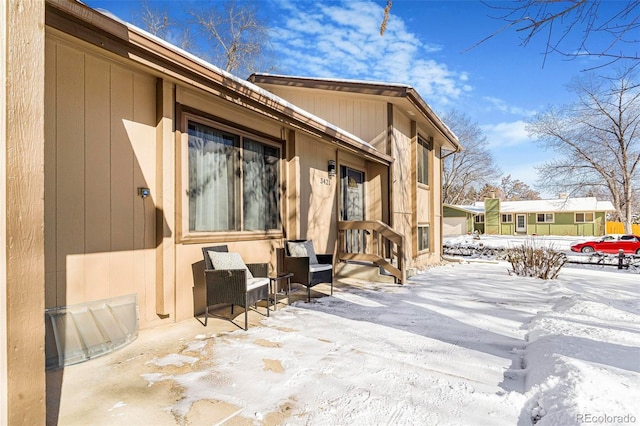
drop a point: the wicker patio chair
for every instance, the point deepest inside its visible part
(229, 280)
(308, 268)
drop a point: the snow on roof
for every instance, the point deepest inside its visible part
(586, 204)
(278, 100)
(338, 80)
(467, 208)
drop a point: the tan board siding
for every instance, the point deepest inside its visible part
(423, 205)
(22, 379)
(403, 181)
(364, 118)
(97, 188)
(317, 193)
(229, 112)
(100, 148)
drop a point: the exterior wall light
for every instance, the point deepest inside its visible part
(331, 168)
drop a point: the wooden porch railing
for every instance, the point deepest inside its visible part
(373, 241)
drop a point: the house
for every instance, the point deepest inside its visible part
(398, 122)
(126, 155)
(563, 216)
(459, 220)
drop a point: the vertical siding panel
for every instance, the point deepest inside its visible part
(122, 188)
(142, 137)
(351, 120)
(347, 114)
(318, 202)
(323, 108)
(375, 121)
(70, 175)
(97, 180)
(304, 194)
(50, 174)
(362, 123)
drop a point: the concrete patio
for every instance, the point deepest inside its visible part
(93, 392)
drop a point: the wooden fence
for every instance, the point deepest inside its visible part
(618, 228)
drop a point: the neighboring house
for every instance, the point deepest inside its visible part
(126, 155)
(563, 216)
(459, 220)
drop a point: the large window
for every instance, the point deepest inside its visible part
(584, 217)
(544, 218)
(423, 237)
(233, 181)
(423, 160)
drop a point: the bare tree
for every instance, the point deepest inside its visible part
(236, 39)
(156, 21)
(516, 190)
(488, 190)
(471, 168)
(590, 21)
(159, 22)
(508, 190)
(385, 18)
(597, 140)
(239, 37)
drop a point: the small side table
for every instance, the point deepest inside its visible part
(273, 281)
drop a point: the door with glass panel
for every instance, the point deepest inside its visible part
(521, 223)
(352, 184)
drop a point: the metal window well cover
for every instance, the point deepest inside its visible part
(77, 333)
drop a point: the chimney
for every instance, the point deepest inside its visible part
(563, 195)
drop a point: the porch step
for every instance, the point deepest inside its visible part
(410, 272)
(362, 270)
(80, 332)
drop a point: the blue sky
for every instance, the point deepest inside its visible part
(430, 46)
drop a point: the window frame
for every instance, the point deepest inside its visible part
(424, 146)
(510, 217)
(419, 240)
(584, 214)
(545, 216)
(184, 233)
(477, 218)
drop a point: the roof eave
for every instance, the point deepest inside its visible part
(415, 98)
(169, 60)
(367, 88)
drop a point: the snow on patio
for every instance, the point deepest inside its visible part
(463, 344)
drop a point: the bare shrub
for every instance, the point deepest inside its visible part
(529, 260)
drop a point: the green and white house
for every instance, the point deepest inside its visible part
(563, 216)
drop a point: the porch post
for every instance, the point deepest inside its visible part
(22, 359)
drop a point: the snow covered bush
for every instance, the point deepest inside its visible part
(529, 260)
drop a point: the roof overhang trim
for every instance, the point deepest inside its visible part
(129, 42)
(367, 88)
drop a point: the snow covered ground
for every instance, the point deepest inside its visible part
(461, 344)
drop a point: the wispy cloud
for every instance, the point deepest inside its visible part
(342, 40)
(503, 135)
(502, 106)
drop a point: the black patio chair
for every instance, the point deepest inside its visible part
(229, 280)
(308, 268)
